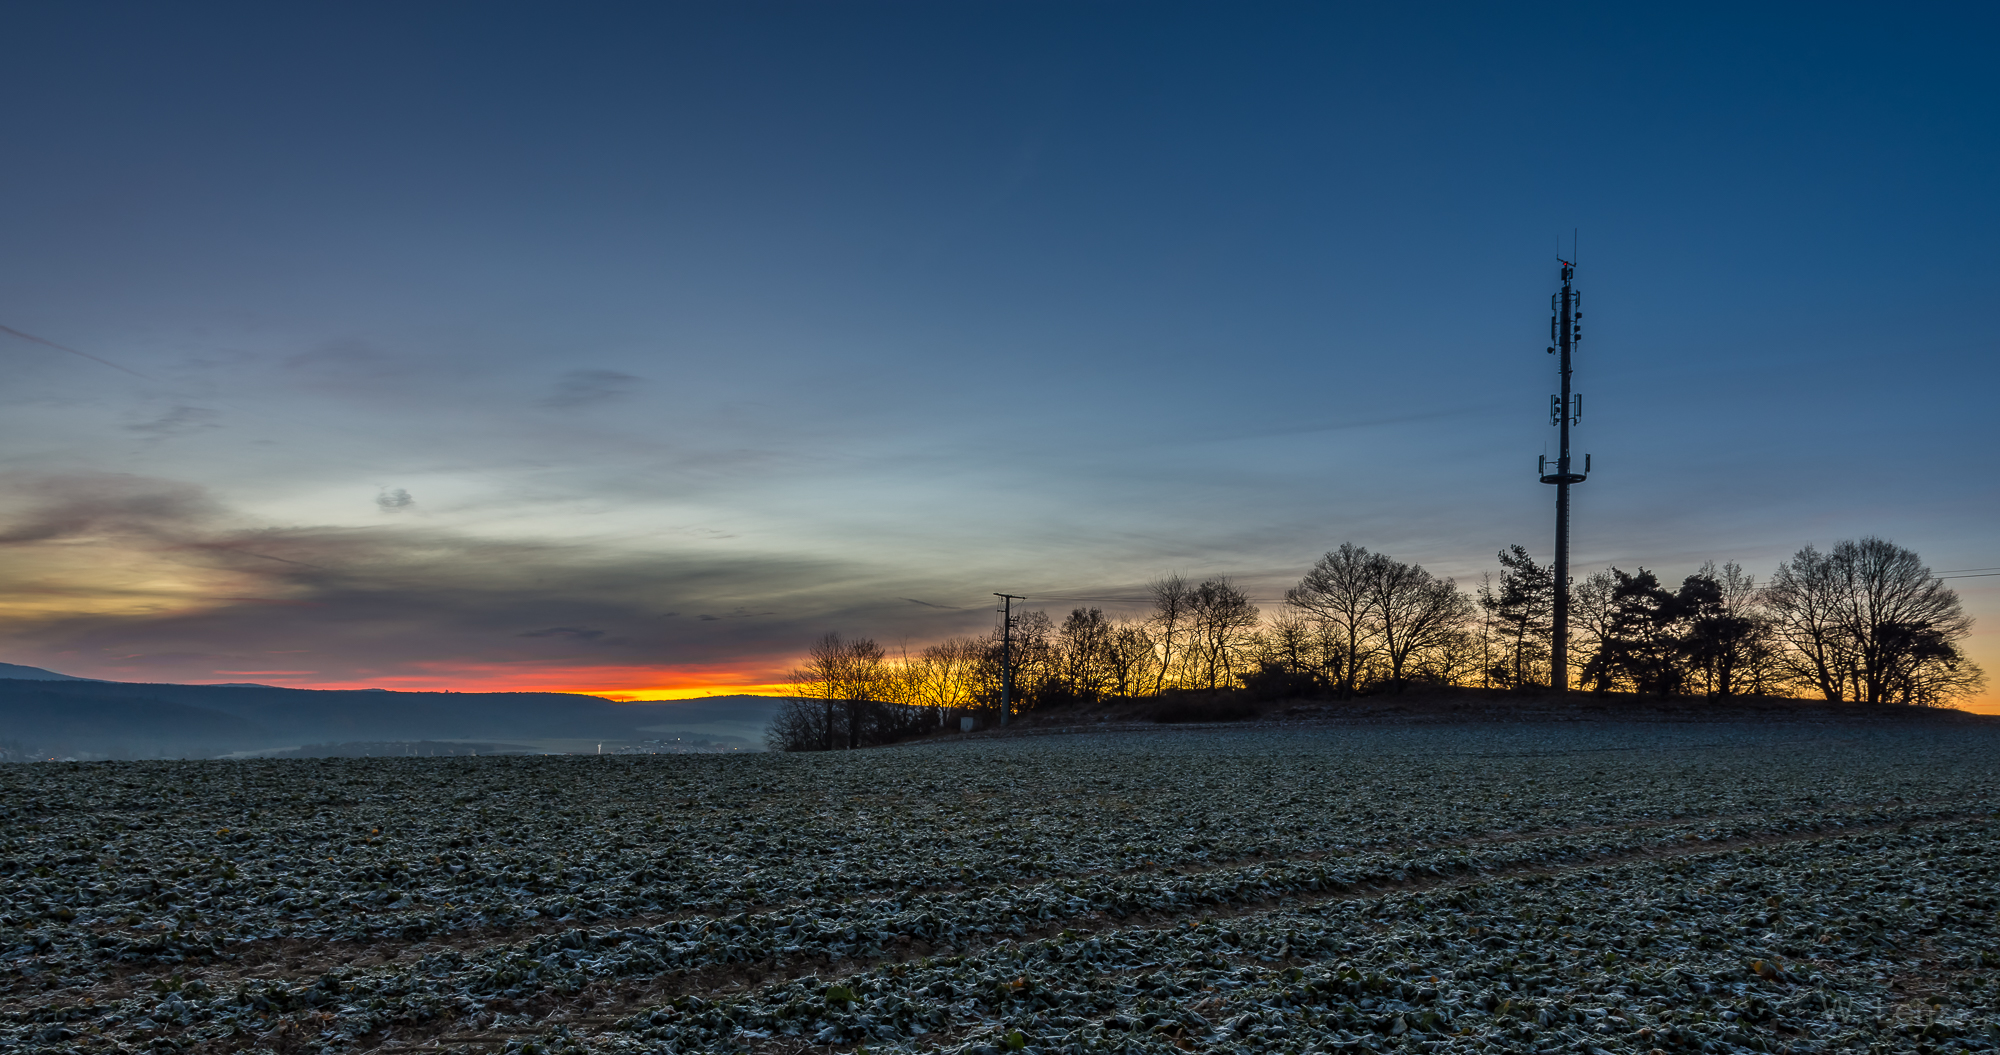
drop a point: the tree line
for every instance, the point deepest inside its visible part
(1865, 621)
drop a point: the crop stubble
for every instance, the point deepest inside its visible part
(1467, 888)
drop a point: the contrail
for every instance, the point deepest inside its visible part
(72, 351)
(927, 604)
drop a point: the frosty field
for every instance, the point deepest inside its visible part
(1471, 888)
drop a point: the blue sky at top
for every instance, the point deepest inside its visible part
(780, 314)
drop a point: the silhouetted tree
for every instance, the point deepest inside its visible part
(1130, 658)
(824, 678)
(1289, 644)
(799, 725)
(1036, 677)
(1452, 658)
(1335, 595)
(1220, 619)
(1414, 612)
(838, 693)
(1083, 656)
(1727, 639)
(943, 677)
(1924, 666)
(1867, 621)
(864, 684)
(1170, 615)
(1523, 611)
(1590, 628)
(1645, 644)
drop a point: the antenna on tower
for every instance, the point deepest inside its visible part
(1565, 413)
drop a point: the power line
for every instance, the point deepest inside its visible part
(72, 351)
(1007, 653)
(1108, 599)
(1129, 600)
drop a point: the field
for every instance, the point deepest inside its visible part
(1691, 887)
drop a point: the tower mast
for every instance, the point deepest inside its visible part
(1565, 411)
(1007, 653)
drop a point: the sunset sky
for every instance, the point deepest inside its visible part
(625, 349)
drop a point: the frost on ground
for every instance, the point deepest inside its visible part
(1476, 888)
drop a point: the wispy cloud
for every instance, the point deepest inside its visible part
(349, 366)
(129, 577)
(179, 421)
(51, 507)
(574, 633)
(579, 388)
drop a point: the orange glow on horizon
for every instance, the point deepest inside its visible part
(696, 692)
(621, 684)
(637, 684)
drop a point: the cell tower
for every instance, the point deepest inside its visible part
(1007, 653)
(1565, 411)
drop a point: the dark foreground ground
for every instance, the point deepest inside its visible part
(1625, 887)
(1452, 706)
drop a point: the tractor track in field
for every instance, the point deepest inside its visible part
(294, 959)
(603, 1003)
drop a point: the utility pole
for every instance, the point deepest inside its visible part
(1007, 653)
(1565, 410)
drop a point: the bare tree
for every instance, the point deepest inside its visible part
(799, 725)
(1807, 602)
(1488, 630)
(822, 678)
(1220, 618)
(1035, 671)
(1082, 655)
(1170, 616)
(1130, 658)
(1290, 656)
(1866, 621)
(1288, 643)
(944, 678)
(1335, 594)
(865, 684)
(845, 678)
(1591, 612)
(1414, 611)
(1755, 671)
(1453, 659)
(1905, 620)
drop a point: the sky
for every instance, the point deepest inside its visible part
(627, 348)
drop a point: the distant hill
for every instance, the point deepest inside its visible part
(20, 673)
(55, 715)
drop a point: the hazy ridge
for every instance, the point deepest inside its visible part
(82, 719)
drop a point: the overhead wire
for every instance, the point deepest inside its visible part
(72, 351)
